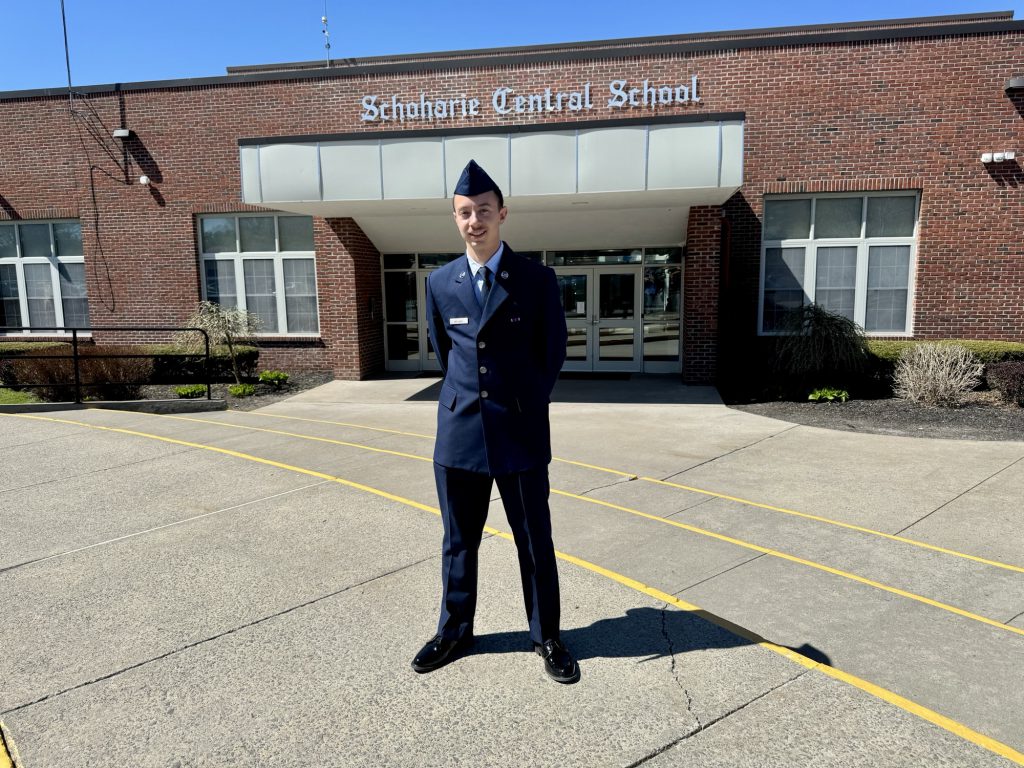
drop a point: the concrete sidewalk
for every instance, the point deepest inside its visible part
(168, 604)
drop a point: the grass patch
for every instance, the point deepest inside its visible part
(11, 397)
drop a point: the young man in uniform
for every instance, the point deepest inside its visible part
(496, 323)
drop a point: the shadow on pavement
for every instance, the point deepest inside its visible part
(643, 633)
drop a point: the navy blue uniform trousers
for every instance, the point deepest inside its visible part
(464, 498)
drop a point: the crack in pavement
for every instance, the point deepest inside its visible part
(606, 485)
(675, 672)
(960, 495)
(219, 635)
(64, 478)
(721, 573)
(1014, 618)
(666, 747)
(730, 453)
(7, 568)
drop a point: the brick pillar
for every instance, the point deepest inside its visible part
(700, 294)
(351, 305)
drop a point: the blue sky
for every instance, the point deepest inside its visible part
(164, 39)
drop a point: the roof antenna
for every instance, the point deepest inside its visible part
(67, 57)
(327, 34)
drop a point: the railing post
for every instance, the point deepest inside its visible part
(74, 355)
(206, 367)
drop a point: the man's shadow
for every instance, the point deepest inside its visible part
(645, 634)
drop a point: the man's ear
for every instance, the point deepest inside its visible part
(502, 214)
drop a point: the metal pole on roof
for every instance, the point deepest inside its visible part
(327, 34)
(67, 58)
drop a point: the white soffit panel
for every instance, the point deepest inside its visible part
(413, 168)
(683, 156)
(543, 163)
(249, 159)
(612, 159)
(732, 155)
(289, 172)
(490, 152)
(351, 170)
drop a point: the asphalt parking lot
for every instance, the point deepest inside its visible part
(229, 589)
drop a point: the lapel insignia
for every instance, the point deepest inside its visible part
(462, 275)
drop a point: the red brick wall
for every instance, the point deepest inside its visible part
(700, 294)
(902, 114)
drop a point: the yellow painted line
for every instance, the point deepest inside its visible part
(290, 434)
(926, 714)
(417, 434)
(667, 521)
(7, 750)
(861, 529)
(795, 559)
(692, 489)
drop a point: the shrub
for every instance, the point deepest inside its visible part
(885, 353)
(936, 374)
(191, 391)
(102, 378)
(829, 395)
(172, 365)
(1007, 379)
(276, 378)
(818, 343)
(242, 390)
(225, 325)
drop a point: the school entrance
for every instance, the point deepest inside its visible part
(622, 308)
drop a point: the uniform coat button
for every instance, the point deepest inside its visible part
(483, 369)
(483, 393)
(482, 344)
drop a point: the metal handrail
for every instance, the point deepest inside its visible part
(76, 358)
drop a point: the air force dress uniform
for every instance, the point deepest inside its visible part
(500, 337)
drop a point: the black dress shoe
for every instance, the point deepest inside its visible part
(558, 662)
(439, 651)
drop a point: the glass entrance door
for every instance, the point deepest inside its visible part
(602, 315)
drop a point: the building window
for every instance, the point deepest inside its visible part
(265, 265)
(42, 276)
(851, 254)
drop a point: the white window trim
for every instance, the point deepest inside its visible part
(238, 257)
(863, 245)
(52, 260)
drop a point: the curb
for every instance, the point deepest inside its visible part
(183, 405)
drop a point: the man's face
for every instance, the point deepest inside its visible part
(479, 218)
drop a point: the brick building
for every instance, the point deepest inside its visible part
(686, 189)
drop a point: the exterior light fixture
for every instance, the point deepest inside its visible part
(122, 133)
(998, 157)
(144, 181)
(986, 158)
(1015, 85)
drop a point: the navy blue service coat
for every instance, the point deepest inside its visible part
(500, 363)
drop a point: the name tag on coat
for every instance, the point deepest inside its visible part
(458, 321)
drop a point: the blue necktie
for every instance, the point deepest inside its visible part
(485, 289)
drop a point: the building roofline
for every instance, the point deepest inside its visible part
(866, 31)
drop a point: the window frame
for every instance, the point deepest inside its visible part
(863, 245)
(20, 261)
(238, 257)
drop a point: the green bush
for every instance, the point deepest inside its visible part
(191, 391)
(1007, 378)
(102, 378)
(12, 348)
(828, 395)
(276, 378)
(242, 390)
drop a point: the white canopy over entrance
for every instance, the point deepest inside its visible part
(602, 187)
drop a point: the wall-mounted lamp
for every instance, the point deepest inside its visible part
(1015, 85)
(144, 181)
(122, 133)
(998, 157)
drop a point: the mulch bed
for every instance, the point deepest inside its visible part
(983, 417)
(265, 393)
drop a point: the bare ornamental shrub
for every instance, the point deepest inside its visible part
(225, 325)
(936, 374)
